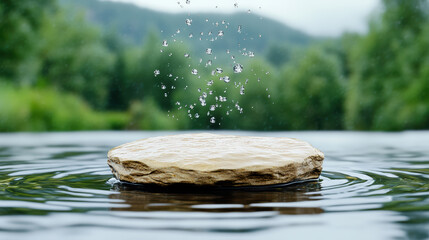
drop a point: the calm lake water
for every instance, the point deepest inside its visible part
(58, 186)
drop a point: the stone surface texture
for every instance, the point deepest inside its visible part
(212, 159)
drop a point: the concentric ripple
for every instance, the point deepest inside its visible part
(59, 183)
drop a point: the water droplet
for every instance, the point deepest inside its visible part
(207, 19)
(210, 33)
(188, 1)
(232, 57)
(210, 83)
(178, 31)
(225, 79)
(165, 43)
(187, 55)
(188, 21)
(190, 35)
(238, 68)
(220, 34)
(248, 11)
(197, 115)
(222, 99)
(251, 54)
(163, 87)
(156, 72)
(178, 103)
(204, 94)
(165, 95)
(227, 51)
(223, 21)
(212, 120)
(202, 101)
(209, 51)
(209, 63)
(242, 90)
(194, 71)
(219, 70)
(236, 5)
(239, 29)
(247, 81)
(212, 108)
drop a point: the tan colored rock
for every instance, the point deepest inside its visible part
(211, 159)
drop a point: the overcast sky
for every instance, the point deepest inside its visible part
(316, 17)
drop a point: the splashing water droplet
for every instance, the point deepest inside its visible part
(178, 31)
(202, 101)
(220, 33)
(212, 120)
(210, 83)
(194, 71)
(219, 70)
(251, 54)
(187, 55)
(209, 51)
(236, 5)
(191, 35)
(222, 99)
(188, 21)
(209, 63)
(197, 115)
(225, 79)
(165, 43)
(242, 90)
(156, 72)
(163, 87)
(212, 108)
(248, 11)
(188, 1)
(239, 29)
(238, 68)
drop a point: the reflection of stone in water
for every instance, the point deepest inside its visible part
(219, 201)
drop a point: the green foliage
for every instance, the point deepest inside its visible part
(387, 66)
(73, 58)
(56, 68)
(312, 93)
(27, 109)
(147, 116)
(20, 22)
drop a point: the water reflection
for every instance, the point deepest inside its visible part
(53, 184)
(229, 200)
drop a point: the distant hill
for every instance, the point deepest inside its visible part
(134, 23)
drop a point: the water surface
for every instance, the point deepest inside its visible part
(58, 186)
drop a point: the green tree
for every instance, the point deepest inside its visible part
(74, 58)
(389, 68)
(20, 22)
(312, 93)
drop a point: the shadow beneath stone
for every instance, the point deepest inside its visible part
(186, 198)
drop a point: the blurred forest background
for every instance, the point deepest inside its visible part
(87, 65)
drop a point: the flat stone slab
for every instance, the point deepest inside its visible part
(215, 160)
